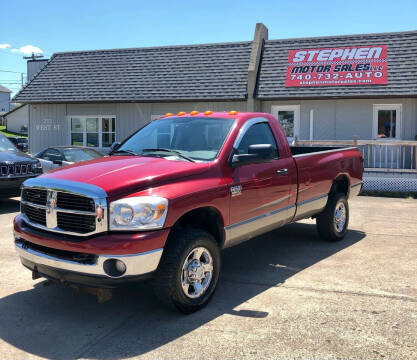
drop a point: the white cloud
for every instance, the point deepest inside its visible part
(28, 49)
(4, 46)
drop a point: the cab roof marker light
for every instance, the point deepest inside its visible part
(181, 113)
(233, 112)
(169, 114)
(195, 112)
(208, 112)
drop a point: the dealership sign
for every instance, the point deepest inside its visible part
(341, 66)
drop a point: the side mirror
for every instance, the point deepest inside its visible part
(57, 162)
(258, 153)
(114, 146)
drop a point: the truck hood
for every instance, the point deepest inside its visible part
(120, 175)
(15, 156)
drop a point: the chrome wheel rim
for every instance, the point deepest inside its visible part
(197, 272)
(339, 219)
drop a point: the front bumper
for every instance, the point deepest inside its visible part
(138, 264)
(90, 261)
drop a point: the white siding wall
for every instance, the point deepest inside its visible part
(342, 119)
(49, 124)
(333, 119)
(17, 119)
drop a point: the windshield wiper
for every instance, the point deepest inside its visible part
(121, 151)
(176, 152)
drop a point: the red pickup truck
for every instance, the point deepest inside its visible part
(172, 195)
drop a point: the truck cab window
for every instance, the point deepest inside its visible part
(257, 134)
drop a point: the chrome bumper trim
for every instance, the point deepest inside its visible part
(136, 264)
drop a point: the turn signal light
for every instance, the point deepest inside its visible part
(181, 113)
(233, 112)
(195, 112)
(208, 112)
(168, 114)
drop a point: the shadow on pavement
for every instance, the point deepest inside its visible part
(8, 206)
(50, 322)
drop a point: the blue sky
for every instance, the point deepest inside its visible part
(54, 26)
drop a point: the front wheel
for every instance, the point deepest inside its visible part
(188, 273)
(332, 223)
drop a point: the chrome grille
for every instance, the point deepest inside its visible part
(76, 222)
(34, 214)
(75, 202)
(35, 196)
(71, 209)
(15, 169)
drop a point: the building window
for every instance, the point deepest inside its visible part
(289, 118)
(93, 131)
(387, 121)
(108, 131)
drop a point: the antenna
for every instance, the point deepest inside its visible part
(33, 57)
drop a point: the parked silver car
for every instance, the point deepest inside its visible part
(58, 156)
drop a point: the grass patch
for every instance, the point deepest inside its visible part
(391, 194)
(8, 133)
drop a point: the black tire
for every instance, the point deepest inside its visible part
(167, 282)
(327, 226)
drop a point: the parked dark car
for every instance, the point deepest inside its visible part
(20, 143)
(15, 167)
(55, 157)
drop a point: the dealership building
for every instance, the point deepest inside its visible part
(321, 89)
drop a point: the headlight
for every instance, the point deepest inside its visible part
(138, 213)
(37, 165)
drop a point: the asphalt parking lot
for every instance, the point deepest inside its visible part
(285, 295)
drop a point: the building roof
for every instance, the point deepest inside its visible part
(4, 89)
(172, 73)
(401, 60)
(209, 72)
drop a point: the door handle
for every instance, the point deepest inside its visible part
(282, 172)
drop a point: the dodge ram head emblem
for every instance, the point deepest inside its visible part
(51, 219)
(51, 201)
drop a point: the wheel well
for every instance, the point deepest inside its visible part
(206, 218)
(341, 184)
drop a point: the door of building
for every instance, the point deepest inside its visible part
(387, 121)
(289, 118)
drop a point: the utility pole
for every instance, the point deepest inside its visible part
(33, 57)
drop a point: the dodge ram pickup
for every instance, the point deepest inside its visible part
(172, 195)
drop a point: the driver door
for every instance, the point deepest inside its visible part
(260, 192)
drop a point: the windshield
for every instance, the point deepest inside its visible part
(5, 144)
(76, 155)
(197, 138)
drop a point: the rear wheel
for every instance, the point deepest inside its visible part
(332, 223)
(188, 273)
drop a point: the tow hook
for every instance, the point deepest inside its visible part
(35, 275)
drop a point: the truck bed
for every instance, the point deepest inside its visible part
(302, 150)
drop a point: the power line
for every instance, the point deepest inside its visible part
(10, 71)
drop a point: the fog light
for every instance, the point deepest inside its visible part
(120, 266)
(114, 267)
